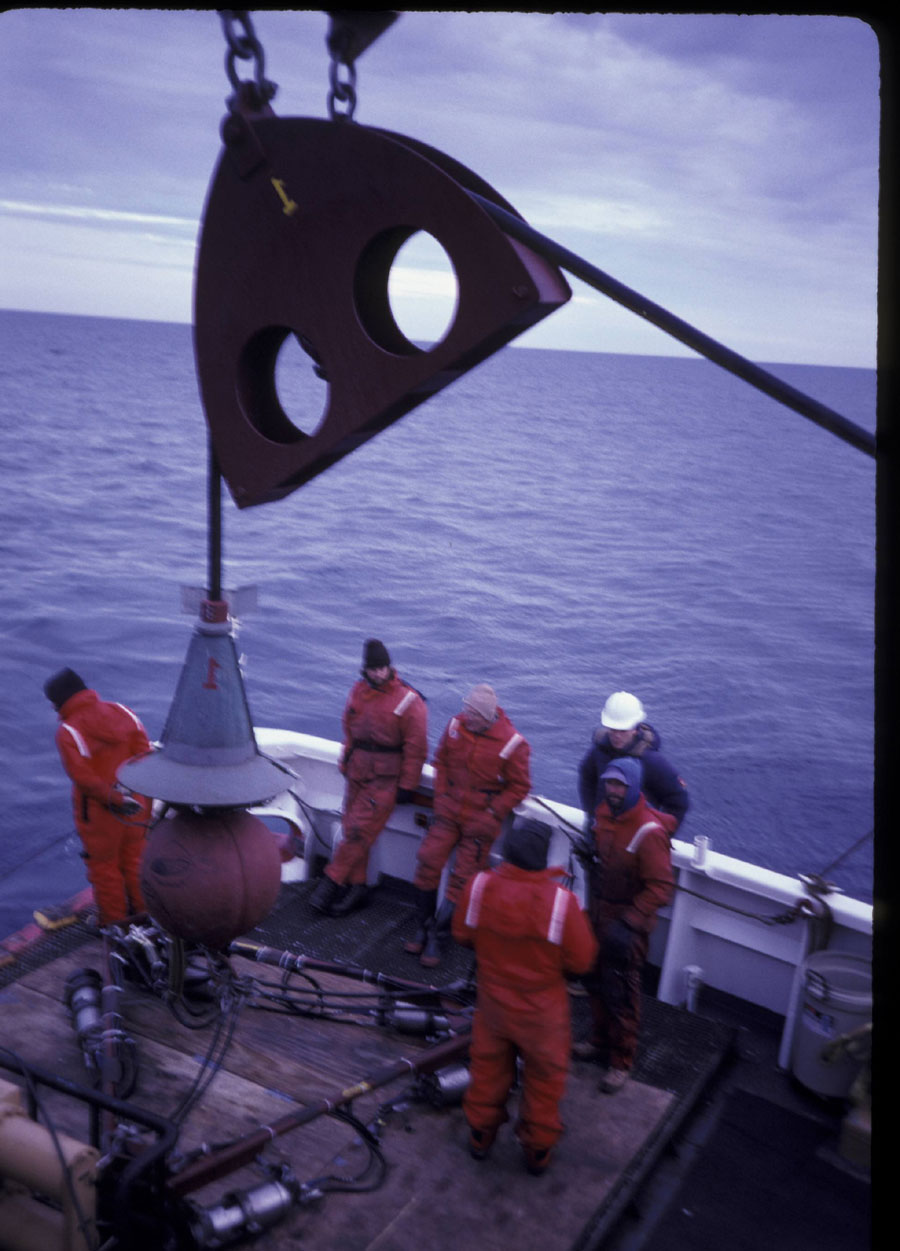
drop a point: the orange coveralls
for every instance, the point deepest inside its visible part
(385, 745)
(633, 880)
(93, 738)
(528, 931)
(479, 779)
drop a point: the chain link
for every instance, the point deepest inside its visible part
(243, 45)
(350, 34)
(342, 90)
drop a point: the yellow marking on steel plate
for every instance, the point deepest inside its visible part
(353, 1091)
(290, 206)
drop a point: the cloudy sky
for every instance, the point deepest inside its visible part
(724, 166)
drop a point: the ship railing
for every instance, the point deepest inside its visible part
(732, 925)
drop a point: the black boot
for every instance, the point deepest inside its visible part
(324, 895)
(356, 896)
(426, 904)
(438, 936)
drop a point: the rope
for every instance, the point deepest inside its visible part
(782, 918)
(35, 855)
(849, 852)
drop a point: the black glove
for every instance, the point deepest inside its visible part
(618, 944)
(405, 797)
(125, 808)
(586, 851)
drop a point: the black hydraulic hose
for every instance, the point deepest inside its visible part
(823, 416)
(292, 962)
(236, 1154)
(150, 1158)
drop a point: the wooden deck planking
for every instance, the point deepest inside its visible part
(434, 1194)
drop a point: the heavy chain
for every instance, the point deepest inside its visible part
(343, 90)
(243, 45)
(350, 32)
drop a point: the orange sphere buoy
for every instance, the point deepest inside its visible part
(209, 877)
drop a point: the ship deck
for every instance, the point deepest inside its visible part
(621, 1161)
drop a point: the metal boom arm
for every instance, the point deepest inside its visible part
(682, 330)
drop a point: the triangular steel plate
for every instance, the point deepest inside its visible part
(302, 224)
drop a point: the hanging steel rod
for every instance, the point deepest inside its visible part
(823, 416)
(214, 527)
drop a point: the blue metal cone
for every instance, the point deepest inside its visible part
(208, 756)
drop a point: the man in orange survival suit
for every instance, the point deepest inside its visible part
(528, 932)
(629, 880)
(385, 745)
(93, 738)
(481, 773)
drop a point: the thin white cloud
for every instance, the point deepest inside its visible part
(89, 216)
(727, 163)
(571, 211)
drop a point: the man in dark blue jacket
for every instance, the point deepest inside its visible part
(624, 731)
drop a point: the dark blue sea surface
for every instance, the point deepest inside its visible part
(559, 524)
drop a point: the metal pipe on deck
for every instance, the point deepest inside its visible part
(290, 962)
(243, 1150)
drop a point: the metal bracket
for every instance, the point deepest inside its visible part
(351, 31)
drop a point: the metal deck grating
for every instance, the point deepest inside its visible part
(371, 938)
(50, 945)
(675, 1048)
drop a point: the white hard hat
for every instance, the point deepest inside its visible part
(621, 711)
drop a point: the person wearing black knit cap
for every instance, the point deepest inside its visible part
(528, 932)
(93, 738)
(384, 749)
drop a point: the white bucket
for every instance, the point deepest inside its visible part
(837, 998)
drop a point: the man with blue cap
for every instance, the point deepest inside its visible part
(629, 880)
(624, 731)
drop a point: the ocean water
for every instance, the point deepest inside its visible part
(559, 524)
